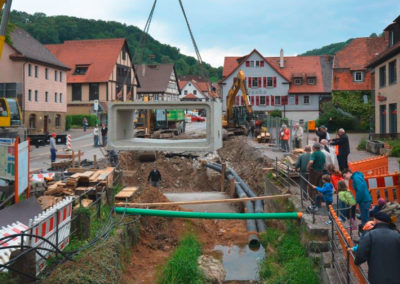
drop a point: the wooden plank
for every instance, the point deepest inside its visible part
(127, 192)
(230, 200)
(76, 170)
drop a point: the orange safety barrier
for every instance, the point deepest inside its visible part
(386, 186)
(346, 242)
(371, 166)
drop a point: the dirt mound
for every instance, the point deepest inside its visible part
(179, 174)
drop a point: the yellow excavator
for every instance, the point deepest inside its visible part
(236, 116)
(10, 112)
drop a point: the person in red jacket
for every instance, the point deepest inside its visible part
(285, 137)
(336, 176)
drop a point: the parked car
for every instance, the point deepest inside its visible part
(196, 118)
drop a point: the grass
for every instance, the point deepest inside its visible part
(181, 267)
(362, 145)
(287, 260)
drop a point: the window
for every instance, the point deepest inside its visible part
(257, 63)
(46, 97)
(36, 71)
(58, 121)
(269, 82)
(254, 81)
(292, 100)
(311, 81)
(194, 92)
(76, 92)
(81, 69)
(391, 38)
(61, 97)
(32, 121)
(262, 100)
(382, 76)
(185, 92)
(277, 100)
(306, 100)
(55, 97)
(8, 90)
(123, 53)
(55, 75)
(61, 76)
(46, 73)
(30, 95)
(36, 95)
(29, 70)
(298, 81)
(251, 63)
(358, 76)
(392, 72)
(94, 92)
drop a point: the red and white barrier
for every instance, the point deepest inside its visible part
(69, 142)
(15, 228)
(41, 177)
(45, 225)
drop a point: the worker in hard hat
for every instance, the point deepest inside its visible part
(53, 149)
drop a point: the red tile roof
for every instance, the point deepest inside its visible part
(385, 55)
(182, 84)
(294, 66)
(100, 54)
(190, 96)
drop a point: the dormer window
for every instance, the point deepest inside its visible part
(81, 69)
(298, 81)
(311, 81)
(391, 38)
(358, 76)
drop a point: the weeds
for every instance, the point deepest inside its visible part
(362, 145)
(182, 268)
(287, 261)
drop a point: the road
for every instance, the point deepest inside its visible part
(40, 157)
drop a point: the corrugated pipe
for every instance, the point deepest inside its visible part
(258, 204)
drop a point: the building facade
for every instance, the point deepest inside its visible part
(385, 67)
(38, 80)
(101, 70)
(194, 90)
(294, 84)
(158, 82)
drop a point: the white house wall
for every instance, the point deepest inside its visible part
(190, 88)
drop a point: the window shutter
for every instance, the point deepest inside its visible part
(252, 100)
(249, 82)
(265, 82)
(274, 82)
(262, 63)
(267, 100)
(247, 63)
(241, 100)
(259, 82)
(296, 99)
(237, 100)
(272, 101)
(258, 100)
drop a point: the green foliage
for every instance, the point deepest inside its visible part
(275, 113)
(57, 29)
(182, 268)
(395, 145)
(287, 261)
(330, 49)
(77, 120)
(362, 145)
(68, 122)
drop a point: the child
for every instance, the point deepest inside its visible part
(327, 193)
(346, 200)
(379, 207)
(336, 176)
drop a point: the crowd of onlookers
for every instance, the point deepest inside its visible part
(324, 172)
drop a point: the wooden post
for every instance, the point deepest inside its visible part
(232, 187)
(223, 170)
(73, 159)
(79, 158)
(94, 161)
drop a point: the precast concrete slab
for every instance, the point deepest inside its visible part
(121, 128)
(211, 195)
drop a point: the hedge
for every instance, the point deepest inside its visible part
(78, 120)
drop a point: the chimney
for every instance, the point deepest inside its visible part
(281, 60)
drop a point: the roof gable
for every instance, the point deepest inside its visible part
(155, 78)
(28, 47)
(99, 54)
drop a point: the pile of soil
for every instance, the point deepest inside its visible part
(246, 161)
(160, 236)
(179, 174)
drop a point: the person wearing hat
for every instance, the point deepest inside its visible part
(380, 247)
(53, 149)
(379, 207)
(321, 132)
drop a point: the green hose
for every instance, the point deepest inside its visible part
(207, 215)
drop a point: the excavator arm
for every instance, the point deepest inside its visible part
(4, 21)
(238, 84)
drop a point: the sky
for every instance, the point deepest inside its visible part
(234, 28)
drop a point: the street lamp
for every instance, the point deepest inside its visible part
(365, 99)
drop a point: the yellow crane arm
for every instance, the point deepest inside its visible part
(238, 84)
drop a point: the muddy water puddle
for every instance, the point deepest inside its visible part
(240, 262)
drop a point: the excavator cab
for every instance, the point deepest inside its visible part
(10, 113)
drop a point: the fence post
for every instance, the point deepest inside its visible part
(301, 189)
(223, 170)
(99, 206)
(57, 218)
(348, 267)
(332, 236)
